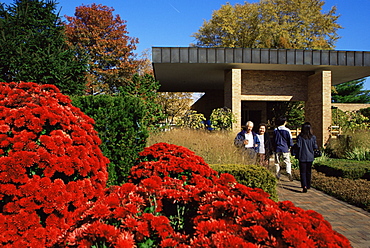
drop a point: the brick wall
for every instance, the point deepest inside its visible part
(350, 106)
(232, 97)
(318, 105)
(208, 102)
(276, 83)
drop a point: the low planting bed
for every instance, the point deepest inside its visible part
(344, 168)
(352, 191)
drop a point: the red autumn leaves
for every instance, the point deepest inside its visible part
(53, 193)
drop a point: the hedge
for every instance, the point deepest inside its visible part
(253, 176)
(344, 168)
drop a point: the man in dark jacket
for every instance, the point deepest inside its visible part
(248, 140)
(282, 143)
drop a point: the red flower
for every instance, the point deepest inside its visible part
(4, 128)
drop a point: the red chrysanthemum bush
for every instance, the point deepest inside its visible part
(52, 190)
(51, 167)
(175, 200)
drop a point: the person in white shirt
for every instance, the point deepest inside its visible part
(265, 149)
(248, 140)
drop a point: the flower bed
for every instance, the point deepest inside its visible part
(52, 194)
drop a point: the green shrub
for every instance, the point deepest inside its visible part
(222, 119)
(348, 142)
(344, 168)
(355, 192)
(365, 112)
(253, 176)
(119, 122)
(359, 154)
(192, 119)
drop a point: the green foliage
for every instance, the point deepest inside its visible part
(344, 168)
(357, 141)
(293, 111)
(349, 121)
(351, 92)
(251, 175)
(145, 88)
(359, 154)
(222, 119)
(120, 123)
(33, 47)
(192, 120)
(294, 24)
(355, 192)
(365, 112)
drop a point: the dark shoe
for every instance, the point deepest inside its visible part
(290, 177)
(304, 190)
(278, 176)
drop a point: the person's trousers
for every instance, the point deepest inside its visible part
(262, 159)
(251, 153)
(285, 158)
(305, 169)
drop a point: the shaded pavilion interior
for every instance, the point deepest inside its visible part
(246, 80)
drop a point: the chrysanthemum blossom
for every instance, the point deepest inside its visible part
(51, 166)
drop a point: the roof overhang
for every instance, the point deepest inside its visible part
(192, 69)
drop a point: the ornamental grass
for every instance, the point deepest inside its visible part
(53, 190)
(216, 147)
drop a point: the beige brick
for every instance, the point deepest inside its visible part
(318, 105)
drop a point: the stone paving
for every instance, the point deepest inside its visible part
(351, 221)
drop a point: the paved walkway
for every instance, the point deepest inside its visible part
(351, 221)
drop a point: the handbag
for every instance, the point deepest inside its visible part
(294, 151)
(317, 153)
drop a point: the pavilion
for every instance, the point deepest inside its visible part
(246, 80)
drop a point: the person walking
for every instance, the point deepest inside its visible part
(282, 143)
(248, 140)
(306, 145)
(265, 147)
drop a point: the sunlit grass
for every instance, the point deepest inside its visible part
(352, 144)
(215, 147)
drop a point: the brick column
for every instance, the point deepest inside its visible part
(232, 94)
(318, 105)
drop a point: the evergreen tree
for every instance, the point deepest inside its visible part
(351, 92)
(33, 47)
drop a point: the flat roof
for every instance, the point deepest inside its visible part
(194, 69)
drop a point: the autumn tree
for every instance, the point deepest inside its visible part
(33, 47)
(144, 63)
(285, 24)
(174, 104)
(103, 38)
(351, 92)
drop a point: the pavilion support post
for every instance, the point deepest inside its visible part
(232, 95)
(318, 105)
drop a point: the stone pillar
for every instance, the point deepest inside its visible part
(232, 94)
(318, 105)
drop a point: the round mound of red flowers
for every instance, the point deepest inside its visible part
(51, 165)
(53, 193)
(175, 199)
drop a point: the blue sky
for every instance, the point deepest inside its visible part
(172, 22)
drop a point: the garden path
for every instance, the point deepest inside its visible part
(351, 221)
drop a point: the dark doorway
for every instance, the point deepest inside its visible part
(252, 115)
